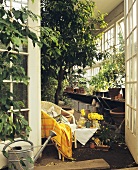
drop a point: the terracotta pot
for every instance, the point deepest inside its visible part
(113, 92)
(118, 115)
(92, 145)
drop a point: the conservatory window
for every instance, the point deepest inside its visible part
(109, 39)
(20, 89)
(120, 35)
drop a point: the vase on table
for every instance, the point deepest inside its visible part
(81, 122)
(88, 124)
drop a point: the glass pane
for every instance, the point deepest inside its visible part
(130, 94)
(134, 15)
(134, 122)
(127, 116)
(131, 45)
(20, 94)
(126, 94)
(135, 41)
(129, 71)
(5, 66)
(4, 88)
(134, 95)
(129, 4)
(130, 20)
(112, 32)
(127, 26)
(25, 114)
(20, 61)
(130, 119)
(17, 4)
(127, 49)
(135, 68)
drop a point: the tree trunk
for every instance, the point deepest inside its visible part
(59, 87)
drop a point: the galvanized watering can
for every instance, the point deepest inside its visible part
(21, 157)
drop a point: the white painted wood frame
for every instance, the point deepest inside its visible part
(131, 61)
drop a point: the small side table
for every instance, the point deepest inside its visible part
(84, 134)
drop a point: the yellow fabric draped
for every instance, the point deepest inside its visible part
(63, 131)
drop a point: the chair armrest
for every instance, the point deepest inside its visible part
(66, 113)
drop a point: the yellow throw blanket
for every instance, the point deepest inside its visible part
(63, 131)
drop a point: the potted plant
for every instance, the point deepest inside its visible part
(111, 75)
(116, 74)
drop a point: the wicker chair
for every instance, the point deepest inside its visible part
(45, 106)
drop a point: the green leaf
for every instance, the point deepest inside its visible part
(16, 41)
(2, 12)
(23, 17)
(16, 13)
(58, 51)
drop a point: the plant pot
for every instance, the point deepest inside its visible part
(92, 145)
(118, 115)
(113, 92)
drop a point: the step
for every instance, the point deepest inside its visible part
(80, 165)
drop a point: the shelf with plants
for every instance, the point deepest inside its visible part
(111, 74)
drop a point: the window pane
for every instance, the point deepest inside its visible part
(135, 68)
(17, 4)
(20, 94)
(135, 41)
(20, 61)
(134, 15)
(25, 114)
(4, 88)
(134, 122)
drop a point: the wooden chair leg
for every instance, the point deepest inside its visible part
(62, 158)
(59, 155)
(75, 140)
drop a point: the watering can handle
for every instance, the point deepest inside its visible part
(19, 140)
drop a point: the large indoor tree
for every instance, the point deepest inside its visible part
(77, 23)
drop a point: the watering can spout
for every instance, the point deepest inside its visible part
(51, 134)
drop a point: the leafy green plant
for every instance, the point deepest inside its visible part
(76, 21)
(49, 89)
(104, 134)
(111, 74)
(13, 33)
